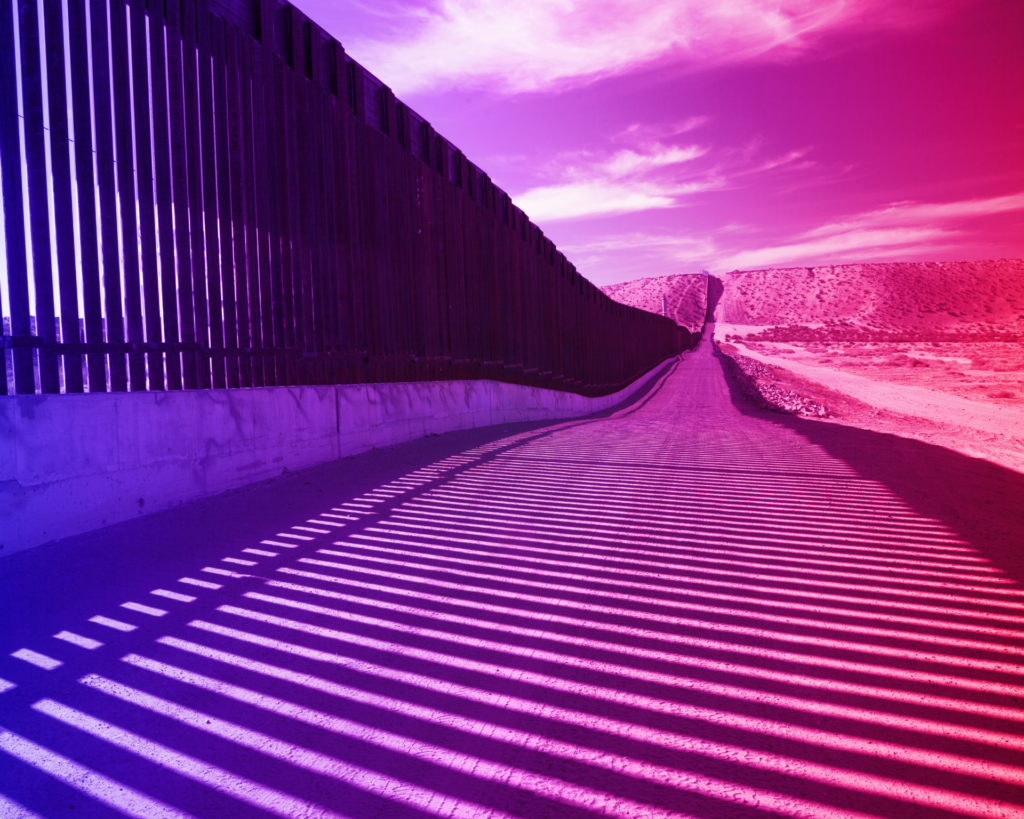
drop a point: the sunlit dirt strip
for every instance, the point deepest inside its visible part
(942, 761)
(664, 545)
(733, 668)
(945, 680)
(691, 608)
(732, 691)
(10, 809)
(691, 524)
(865, 557)
(846, 494)
(396, 790)
(767, 464)
(544, 786)
(779, 636)
(526, 560)
(685, 553)
(102, 788)
(541, 482)
(218, 779)
(710, 786)
(687, 523)
(784, 584)
(525, 553)
(912, 793)
(541, 479)
(453, 500)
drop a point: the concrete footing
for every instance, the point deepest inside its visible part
(71, 463)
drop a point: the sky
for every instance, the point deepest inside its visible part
(670, 136)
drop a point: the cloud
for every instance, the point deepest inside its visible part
(903, 213)
(854, 245)
(653, 132)
(628, 161)
(597, 198)
(535, 45)
(624, 256)
(625, 181)
(903, 228)
(683, 246)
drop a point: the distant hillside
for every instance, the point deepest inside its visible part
(981, 296)
(985, 297)
(686, 294)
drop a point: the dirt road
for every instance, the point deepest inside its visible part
(684, 607)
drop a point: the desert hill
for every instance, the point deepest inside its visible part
(686, 295)
(916, 299)
(971, 297)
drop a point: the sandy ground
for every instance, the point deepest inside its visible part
(931, 404)
(873, 399)
(680, 608)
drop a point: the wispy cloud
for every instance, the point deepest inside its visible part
(628, 162)
(684, 247)
(855, 245)
(902, 228)
(535, 45)
(600, 197)
(642, 177)
(907, 230)
(647, 175)
(625, 256)
(917, 213)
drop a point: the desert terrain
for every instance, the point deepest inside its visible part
(686, 296)
(925, 350)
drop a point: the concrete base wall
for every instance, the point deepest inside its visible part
(71, 463)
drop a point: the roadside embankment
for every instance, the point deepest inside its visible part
(981, 430)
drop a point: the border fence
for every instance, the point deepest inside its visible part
(211, 193)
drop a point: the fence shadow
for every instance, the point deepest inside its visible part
(621, 616)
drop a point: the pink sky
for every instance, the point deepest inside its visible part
(673, 135)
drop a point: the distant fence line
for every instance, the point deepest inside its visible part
(229, 200)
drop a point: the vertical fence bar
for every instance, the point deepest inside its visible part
(349, 304)
(182, 184)
(263, 174)
(107, 192)
(38, 190)
(63, 210)
(214, 330)
(164, 197)
(323, 262)
(219, 30)
(86, 183)
(253, 155)
(303, 165)
(273, 209)
(14, 209)
(233, 214)
(196, 232)
(285, 218)
(147, 204)
(332, 291)
(125, 166)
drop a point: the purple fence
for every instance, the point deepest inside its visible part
(228, 200)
